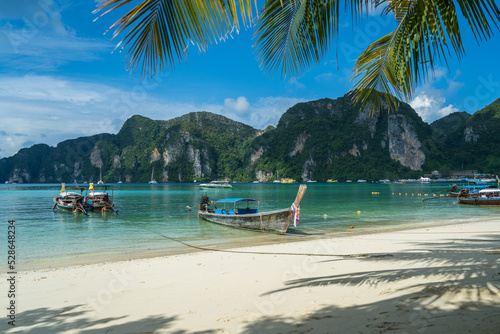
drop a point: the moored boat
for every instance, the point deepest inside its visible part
(485, 197)
(152, 181)
(287, 180)
(472, 188)
(99, 200)
(236, 212)
(216, 185)
(425, 180)
(69, 200)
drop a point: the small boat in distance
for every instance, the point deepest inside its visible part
(425, 180)
(277, 177)
(100, 176)
(331, 181)
(216, 185)
(485, 197)
(236, 212)
(287, 180)
(152, 181)
(70, 201)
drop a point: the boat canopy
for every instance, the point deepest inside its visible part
(234, 200)
(472, 180)
(490, 190)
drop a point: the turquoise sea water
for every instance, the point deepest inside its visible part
(46, 238)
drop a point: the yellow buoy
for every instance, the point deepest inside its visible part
(352, 226)
(359, 212)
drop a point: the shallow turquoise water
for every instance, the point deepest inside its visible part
(146, 211)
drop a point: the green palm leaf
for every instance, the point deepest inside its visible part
(427, 31)
(157, 32)
(293, 35)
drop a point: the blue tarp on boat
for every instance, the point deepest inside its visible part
(234, 200)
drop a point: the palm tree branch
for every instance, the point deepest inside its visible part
(158, 31)
(426, 30)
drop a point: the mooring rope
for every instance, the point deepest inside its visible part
(346, 256)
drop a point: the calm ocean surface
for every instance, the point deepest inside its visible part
(46, 238)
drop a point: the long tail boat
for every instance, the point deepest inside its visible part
(99, 200)
(69, 200)
(485, 197)
(236, 212)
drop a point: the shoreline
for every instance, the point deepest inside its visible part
(429, 280)
(289, 238)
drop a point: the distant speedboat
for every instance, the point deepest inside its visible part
(384, 181)
(361, 181)
(216, 185)
(425, 180)
(331, 181)
(287, 180)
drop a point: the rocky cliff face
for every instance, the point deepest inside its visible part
(333, 139)
(404, 145)
(317, 140)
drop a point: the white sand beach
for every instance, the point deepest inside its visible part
(442, 279)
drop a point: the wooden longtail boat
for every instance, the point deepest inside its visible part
(471, 189)
(70, 201)
(242, 216)
(485, 197)
(98, 201)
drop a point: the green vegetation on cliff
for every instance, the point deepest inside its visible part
(316, 140)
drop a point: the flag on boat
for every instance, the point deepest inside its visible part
(296, 215)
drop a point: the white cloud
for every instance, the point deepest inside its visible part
(295, 83)
(48, 88)
(240, 105)
(262, 113)
(431, 107)
(430, 99)
(46, 109)
(33, 36)
(324, 77)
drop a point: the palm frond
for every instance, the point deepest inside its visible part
(157, 32)
(427, 31)
(293, 35)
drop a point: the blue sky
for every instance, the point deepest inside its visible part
(60, 80)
